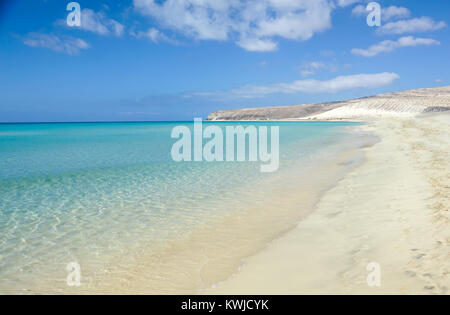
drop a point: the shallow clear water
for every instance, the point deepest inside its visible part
(109, 196)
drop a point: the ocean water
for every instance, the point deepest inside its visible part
(109, 197)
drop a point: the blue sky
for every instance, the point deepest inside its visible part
(148, 60)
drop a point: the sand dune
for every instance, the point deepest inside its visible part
(402, 104)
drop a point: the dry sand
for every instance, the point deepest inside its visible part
(393, 210)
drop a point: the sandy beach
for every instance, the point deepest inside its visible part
(393, 211)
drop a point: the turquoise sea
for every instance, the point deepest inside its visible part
(109, 197)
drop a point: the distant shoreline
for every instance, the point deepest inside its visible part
(408, 103)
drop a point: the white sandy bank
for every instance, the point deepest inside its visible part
(406, 104)
(392, 210)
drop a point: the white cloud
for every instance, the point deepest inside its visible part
(154, 35)
(310, 68)
(416, 25)
(344, 3)
(387, 14)
(253, 25)
(439, 81)
(313, 67)
(359, 10)
(99, 23)
(255, 44)
(335, 85)
(68, 45)
(394, 12)
(389, 45)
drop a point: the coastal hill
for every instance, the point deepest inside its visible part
(401, 104)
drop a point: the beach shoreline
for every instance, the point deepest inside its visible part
(393, 210)
(146, 241)
(375, 192)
